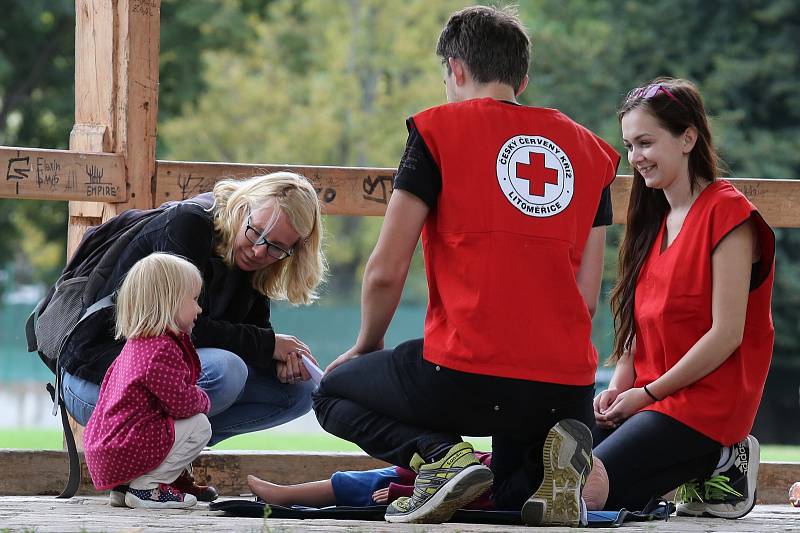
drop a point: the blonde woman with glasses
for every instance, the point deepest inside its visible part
(253, 240)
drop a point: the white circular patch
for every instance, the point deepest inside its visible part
(535, 175)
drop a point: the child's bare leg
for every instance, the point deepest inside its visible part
(595, 492)
(312, 494)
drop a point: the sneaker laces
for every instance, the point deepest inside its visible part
(718, 488)
(689, 492)
(169, 489)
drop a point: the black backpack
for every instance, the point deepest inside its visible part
(76, 296)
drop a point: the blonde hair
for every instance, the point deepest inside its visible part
(151, 295)
(295, 278)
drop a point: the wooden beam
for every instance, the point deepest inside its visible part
(778, 201)
(366, 191)
(138, 42)
(61, 175)
(341, 190)
(228, 470)
(98, 177)
(94, 103)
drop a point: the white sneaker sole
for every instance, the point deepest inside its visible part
(463, 489)
(135, 503)
(567, 463)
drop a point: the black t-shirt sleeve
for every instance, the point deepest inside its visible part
(605, 212)
(417, 172)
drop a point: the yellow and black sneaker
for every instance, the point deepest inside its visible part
(441, 488)
(567, 461)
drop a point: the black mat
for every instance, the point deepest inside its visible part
(255, 509)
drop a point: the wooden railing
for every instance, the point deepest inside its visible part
(99, 177)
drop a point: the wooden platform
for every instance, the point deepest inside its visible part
(91, 514)
(227, 471)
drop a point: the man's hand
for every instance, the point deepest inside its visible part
(352, 353)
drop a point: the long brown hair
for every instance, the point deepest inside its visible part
(677, 105)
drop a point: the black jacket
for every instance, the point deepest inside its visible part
(235, 316)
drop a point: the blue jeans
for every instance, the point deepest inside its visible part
(242, 400)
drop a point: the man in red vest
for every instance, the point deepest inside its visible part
(511, 203)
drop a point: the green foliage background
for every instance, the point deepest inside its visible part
(319, 82)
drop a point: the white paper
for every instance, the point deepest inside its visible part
(315, 371)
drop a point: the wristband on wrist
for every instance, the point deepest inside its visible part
(650, 394)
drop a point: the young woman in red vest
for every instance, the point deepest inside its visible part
(692, 309)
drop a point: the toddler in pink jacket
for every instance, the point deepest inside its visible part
(150, 420)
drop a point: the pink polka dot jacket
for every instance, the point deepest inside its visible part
(151, 383)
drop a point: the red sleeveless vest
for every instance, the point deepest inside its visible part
(520, 190)
(673, 311)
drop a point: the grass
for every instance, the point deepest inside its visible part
(50, 439)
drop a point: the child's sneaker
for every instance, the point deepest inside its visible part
(567, 462)
(730, 491)
(161, 497)
(116, 498)
(441, 488)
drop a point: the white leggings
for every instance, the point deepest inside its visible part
(191, 435)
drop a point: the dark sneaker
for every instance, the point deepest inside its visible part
(161, 497)
(186, 483)
(730, 491)
(441, 488)
(116, 498)
(567, 462)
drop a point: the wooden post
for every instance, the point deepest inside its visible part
(116, 101)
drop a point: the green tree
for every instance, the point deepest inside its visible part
(327, 83)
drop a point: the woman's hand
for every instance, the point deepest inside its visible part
(626, 405)
(288, 355)
(601, 404)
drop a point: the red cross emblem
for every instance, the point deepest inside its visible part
(536, 174)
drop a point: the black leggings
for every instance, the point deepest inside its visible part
(649, 455)
(393, 403)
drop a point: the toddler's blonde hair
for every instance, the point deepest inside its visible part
(151, 295)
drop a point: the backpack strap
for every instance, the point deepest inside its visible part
(74, 480)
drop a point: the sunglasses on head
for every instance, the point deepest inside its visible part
(649, 91)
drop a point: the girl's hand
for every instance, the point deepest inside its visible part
(601, 404)
(626, 405)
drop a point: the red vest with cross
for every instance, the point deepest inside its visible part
(520, 190)
(673, 312)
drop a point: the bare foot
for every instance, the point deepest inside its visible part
(269, 492)
(794, 494)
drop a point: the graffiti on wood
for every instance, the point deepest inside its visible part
(43, 173)
(378, 189)
(18, 169)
